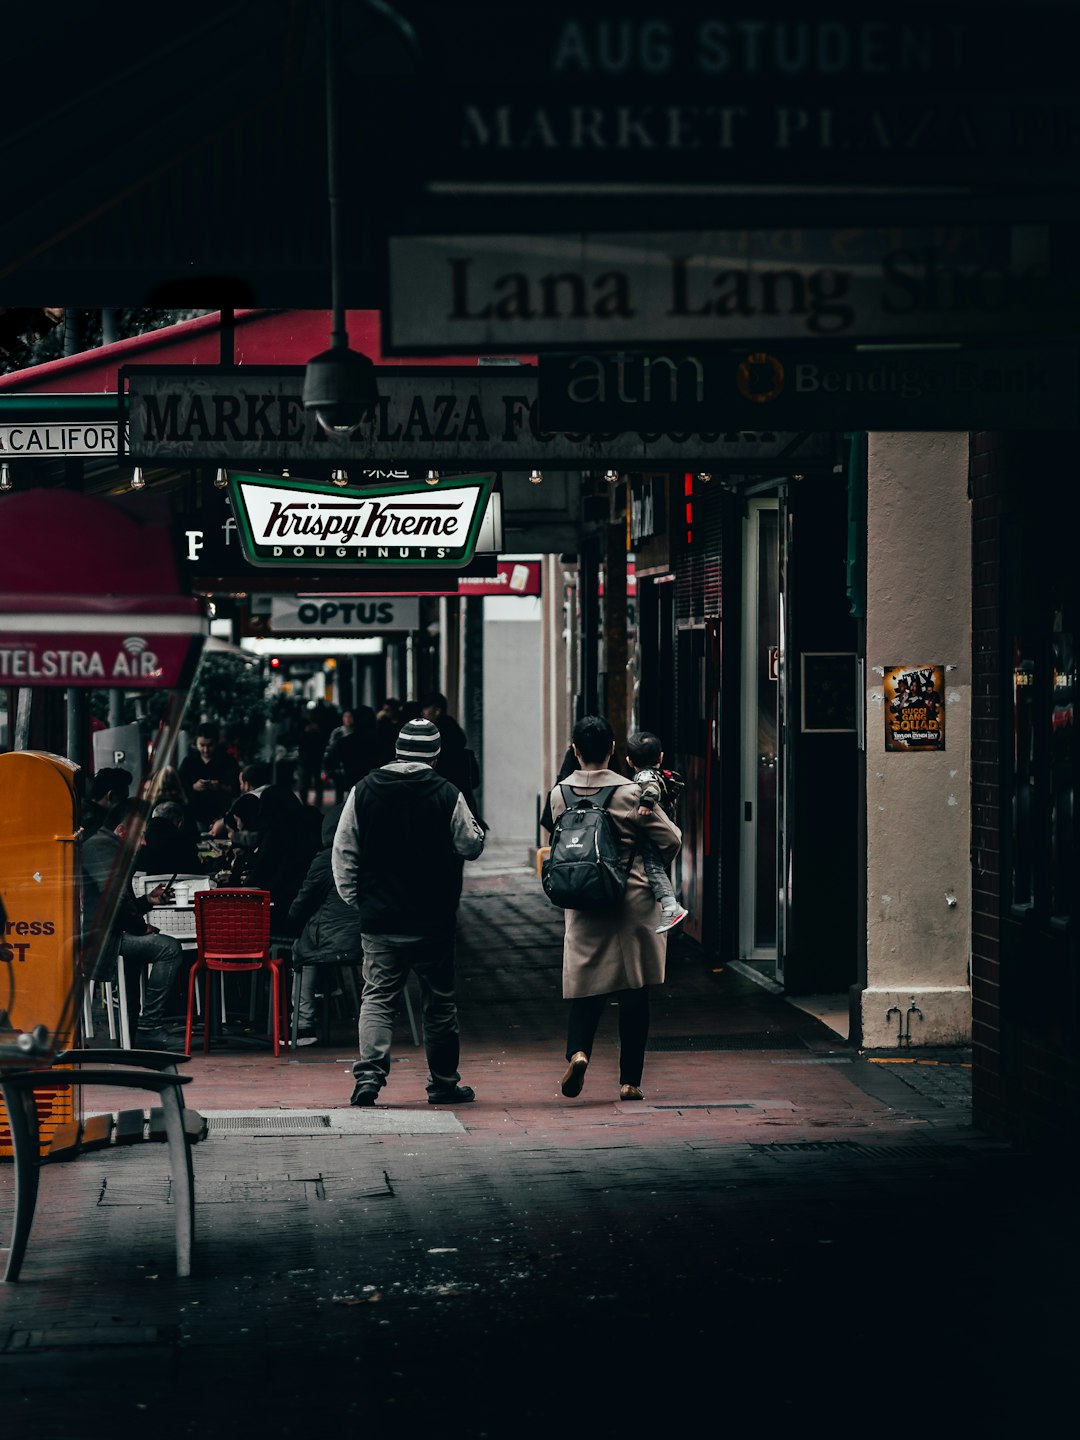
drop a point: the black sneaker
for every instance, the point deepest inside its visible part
(159, 1040)
(456, 1095)
(363, 1094)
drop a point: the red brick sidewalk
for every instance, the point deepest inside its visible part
(779, 1236)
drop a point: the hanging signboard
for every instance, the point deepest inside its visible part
(914, 707)
(208, 540)
(55, 650)
(513, 577)
(515, 292)
(46, 442)
(299, 523)
(426, 419)
(963, 388)
(343, 614)
(698, 93)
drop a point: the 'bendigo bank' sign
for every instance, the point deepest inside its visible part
(301, 522)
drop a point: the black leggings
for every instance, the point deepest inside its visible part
(585, 1015)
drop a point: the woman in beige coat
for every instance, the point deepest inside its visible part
(615, 954)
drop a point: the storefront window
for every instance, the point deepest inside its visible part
(1062, 780)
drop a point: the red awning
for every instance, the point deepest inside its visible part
(121, 618)
(261, 337)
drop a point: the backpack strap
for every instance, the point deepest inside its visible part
(602, 798)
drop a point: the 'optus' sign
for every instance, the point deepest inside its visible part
(301, 522)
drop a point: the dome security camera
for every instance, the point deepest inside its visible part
(340, 388)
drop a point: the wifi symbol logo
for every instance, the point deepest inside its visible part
(134, 644)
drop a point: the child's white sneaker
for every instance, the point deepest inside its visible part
(670, 918)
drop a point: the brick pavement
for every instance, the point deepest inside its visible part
(781, 1230)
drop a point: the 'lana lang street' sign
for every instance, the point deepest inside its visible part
(518, 292)
(298, 523)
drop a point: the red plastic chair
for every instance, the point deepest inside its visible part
(232, 930)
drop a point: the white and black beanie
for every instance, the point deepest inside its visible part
(418, 740)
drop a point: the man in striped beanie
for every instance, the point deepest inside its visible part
(398, 851)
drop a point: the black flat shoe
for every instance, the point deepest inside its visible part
(574, 1079)
(363, 1095)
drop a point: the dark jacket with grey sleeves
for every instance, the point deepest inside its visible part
(398, 852)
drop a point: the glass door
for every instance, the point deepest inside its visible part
(760, 768)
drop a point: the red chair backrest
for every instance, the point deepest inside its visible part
(233, 924)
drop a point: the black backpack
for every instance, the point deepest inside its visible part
(582, 870)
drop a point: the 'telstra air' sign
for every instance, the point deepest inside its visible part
(302, 522)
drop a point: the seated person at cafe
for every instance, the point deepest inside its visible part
(168, 848)
(331, 929)
(108, 787)
(240, 826)
(290, 834)
(254, 779)
(114, 923)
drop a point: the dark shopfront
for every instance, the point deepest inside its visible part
(1025, 966)
(743, 606)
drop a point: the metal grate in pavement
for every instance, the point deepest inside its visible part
(269, 1122)
(751, 1040)
(706, 1105)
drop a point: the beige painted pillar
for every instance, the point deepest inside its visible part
(918, 823)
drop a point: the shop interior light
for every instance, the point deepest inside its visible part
(340, 476)
(5, 476)
(433, 477)
(138, 481)
(221, 479)
(536, 477)
(704, 477)
(284, 472)
(611, 476)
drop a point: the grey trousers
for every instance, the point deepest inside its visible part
(387, 964)
(655, 873)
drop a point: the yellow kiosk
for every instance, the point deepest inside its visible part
(39, 947)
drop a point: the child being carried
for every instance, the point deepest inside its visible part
(664, 788)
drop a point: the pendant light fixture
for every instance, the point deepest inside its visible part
(340, 388)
